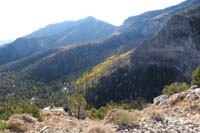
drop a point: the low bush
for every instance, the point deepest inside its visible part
(175, 88)
(19, 107)
(100, 113)
(97, 113)
(124, 118)
(196, 77)
(17, 126)
(138, 103)
(3, 125)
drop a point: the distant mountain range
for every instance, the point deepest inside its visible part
(56, 35)
(161, 47)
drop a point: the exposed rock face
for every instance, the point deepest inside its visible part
(160, 100)
(191, 95)
(183, 116)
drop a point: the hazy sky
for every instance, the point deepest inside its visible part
(21, 17)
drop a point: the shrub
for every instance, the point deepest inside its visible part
(17, 126)
(3, 125)
(124, 118)
(100, 113)
(77, 105)
(92, 113)
(139, 103)
(9, 108)
(175, 88)
(196, 77)
(97, 113)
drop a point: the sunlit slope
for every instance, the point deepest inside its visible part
(105, 67)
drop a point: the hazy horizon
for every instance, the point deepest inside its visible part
(19, 18)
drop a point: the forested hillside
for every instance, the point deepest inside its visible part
(107, 64)
(169, 56)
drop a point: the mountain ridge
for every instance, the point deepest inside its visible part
(150, 45)
(84, 30)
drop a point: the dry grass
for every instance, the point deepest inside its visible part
(53, 119)
(176, 98)
(155, 113)
(21, 122)
(195, 107)
(191, 107)
(124, 117)
(17, 126)
(155, 116)
(172, 101)
(99, 128)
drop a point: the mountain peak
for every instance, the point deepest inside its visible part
(88, 19)
(91, 18)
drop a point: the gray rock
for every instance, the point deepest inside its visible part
(161, 100)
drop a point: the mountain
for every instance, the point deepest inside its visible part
(68, 29)
(56, 35)
(65, 33)
(164, 47)
(52, 29)
(152, 21)
(2, 42)
(169, 56)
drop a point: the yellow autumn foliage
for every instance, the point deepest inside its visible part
(98, 69)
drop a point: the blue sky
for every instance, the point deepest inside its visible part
(21, 17)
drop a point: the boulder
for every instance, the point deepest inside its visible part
(193, 94)
(193, 87)
(160, 100)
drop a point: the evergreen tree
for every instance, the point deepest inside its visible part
(77, 105)
(196, 77)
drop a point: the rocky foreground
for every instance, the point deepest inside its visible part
(179, 113)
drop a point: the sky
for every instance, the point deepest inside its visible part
(21, 17)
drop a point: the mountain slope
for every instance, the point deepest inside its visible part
(169, 56)
(4, 42)
(84, 30)
(52, 29)
(158, 46)
(73, 32)
(48, 72)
